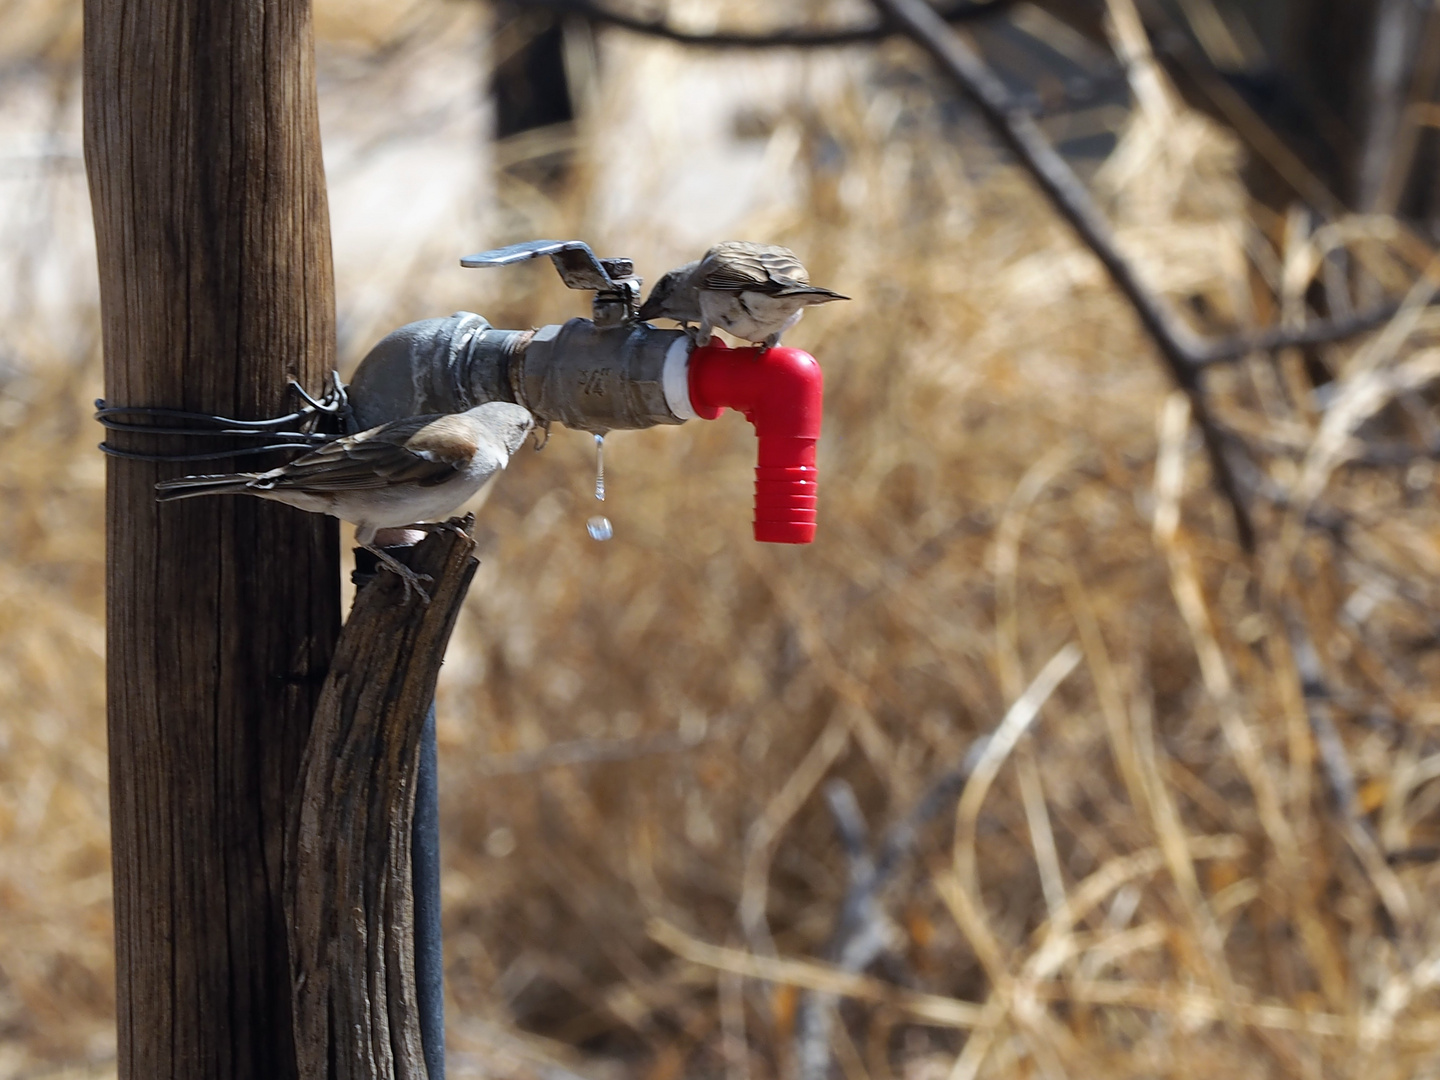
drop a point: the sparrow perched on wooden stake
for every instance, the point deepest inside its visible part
(754, 291)
(407, 472)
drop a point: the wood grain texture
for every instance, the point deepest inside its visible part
(202, 149)
(348, 875)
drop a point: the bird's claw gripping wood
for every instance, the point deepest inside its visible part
(455, 526)
(411, 579)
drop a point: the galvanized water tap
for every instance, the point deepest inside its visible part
(616, 288)
(609, 372)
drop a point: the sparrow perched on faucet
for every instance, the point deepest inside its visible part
(754, 291)
(407, 472)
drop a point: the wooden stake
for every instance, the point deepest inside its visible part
(348, 856)
(203, 153)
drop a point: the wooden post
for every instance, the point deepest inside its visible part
(203, 153)
(348, 856)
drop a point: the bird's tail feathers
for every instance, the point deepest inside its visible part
(813, 294)
(187, 487)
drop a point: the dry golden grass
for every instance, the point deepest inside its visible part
(1151, 878)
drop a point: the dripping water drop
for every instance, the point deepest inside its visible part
(599, 527)
(600, 467)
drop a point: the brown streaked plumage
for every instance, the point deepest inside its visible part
(754, 291)
(407, 472)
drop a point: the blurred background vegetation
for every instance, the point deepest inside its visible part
(1211, 848)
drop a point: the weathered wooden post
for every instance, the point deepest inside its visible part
(350, 885)
(203, 152)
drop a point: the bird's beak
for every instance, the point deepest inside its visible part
(650, 309)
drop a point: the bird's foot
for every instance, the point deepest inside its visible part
(456, 526)
(411, 579)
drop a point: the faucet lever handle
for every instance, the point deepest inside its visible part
(577, 264)
(616, 288)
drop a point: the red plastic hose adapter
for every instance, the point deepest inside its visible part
(779, 391)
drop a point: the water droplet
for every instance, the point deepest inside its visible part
(500, 843)
(600, 467)
(599, 528)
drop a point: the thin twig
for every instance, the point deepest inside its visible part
(1391, 455)
(764, 832)
(861, 932)
(1340, 775)
(919, 1008)
(1178, 346)
(790, 38)
(997, 749)
(940, 1011)
(850, 827)
(859, 937)
(1318, 332)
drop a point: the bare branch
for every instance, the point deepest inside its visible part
(1016, 128)
(861, 932)
(851, 828)
(1320, 332)
(792, 38)
(1340, 775)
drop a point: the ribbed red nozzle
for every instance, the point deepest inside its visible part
(779, 391)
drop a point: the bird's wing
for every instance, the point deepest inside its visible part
(419, 450)
(784, 287)
(753, 267)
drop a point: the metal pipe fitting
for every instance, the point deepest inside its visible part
(578, 374)
(607, 378)
(441, 365)
(597, 378)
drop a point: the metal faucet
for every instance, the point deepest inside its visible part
(610, 372)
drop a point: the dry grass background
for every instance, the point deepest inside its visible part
(1153, 878)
